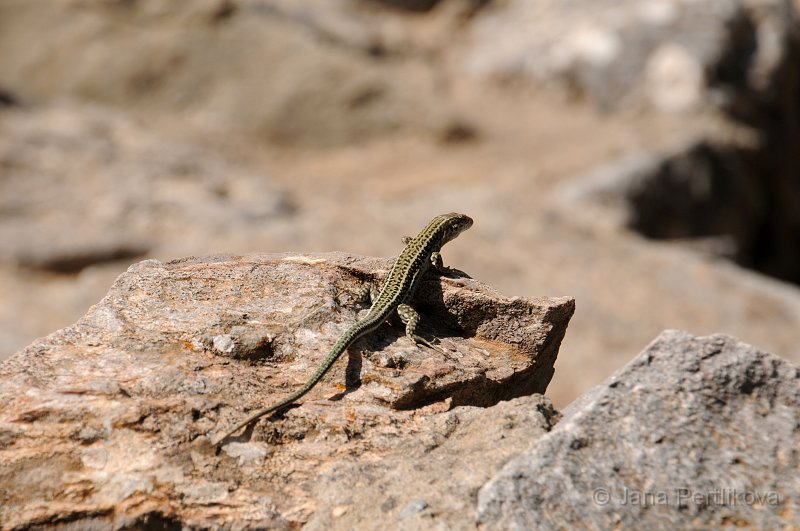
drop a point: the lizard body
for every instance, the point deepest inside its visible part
(420, 253)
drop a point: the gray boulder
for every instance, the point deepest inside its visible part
(696, 432)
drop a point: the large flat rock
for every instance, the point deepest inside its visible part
(108, 422)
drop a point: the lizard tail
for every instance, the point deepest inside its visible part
(359, 329)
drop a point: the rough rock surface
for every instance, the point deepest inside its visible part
(108, 422)
(696, 187)
(311, 73)
(723, 190)
(260, 82)
(137, 183)
(696, 432)
(673, 56)
(737, 59)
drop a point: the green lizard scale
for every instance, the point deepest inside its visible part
(404, 277)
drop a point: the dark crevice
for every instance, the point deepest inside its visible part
(750, 195)
(730, 73)
(414, 6)
(425, 6)
(71, 261)
(7, 99)
(225, 10)
(706, 191)
(155, 521)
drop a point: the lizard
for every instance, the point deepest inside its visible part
(420, 254)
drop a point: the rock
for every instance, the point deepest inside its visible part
(317, 73)
(736, 59)
(716, 187)
(140, 185)
(108, 422)
(453, 454)
(674, 81)
(694, 432)
(363, 197)
(695, 187)
(671, 56)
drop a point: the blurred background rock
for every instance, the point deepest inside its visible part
(642, 156)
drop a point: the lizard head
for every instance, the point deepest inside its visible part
(454, 224)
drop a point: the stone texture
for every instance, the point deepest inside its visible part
(698, 187)
(430, 481)
(738, 58)
(242, 98)
(84, 185)
(108, 423)
(707, 187)
(318, 73)
(672, 56)
(694, 432)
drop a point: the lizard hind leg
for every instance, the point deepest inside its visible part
(410, 318)
(368, 292)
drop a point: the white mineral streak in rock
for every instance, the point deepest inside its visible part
(224, 343)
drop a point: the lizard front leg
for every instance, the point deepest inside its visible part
(438, 265)
(410, 318)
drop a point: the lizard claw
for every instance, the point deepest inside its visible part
(422, 341)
